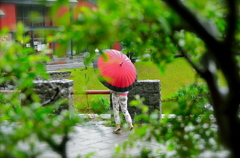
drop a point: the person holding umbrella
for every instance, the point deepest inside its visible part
(119, 99)
(117, 72)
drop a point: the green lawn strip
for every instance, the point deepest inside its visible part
(177, 74)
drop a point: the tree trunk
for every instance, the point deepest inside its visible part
(226, 105)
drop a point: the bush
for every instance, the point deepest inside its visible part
(100, 105)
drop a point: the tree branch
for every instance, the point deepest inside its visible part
(205, 73)
(192, 21)
(186, 56)
(59, 148)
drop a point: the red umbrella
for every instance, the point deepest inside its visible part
(116, 71)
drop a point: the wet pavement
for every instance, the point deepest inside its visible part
(96, 139)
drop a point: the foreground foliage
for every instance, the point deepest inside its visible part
(189, 132)
(206, 33)
(24, 122)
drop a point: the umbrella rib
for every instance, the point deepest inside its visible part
(110, 73)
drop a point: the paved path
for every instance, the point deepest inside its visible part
(64, 66)
(94, 137)
(65, 63)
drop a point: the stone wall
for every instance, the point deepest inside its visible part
(57, 75)
(57, 88)
(51, 91)
(7, 86)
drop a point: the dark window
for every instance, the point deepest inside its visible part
(31, 15)
(34, 17)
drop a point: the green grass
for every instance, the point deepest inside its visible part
(177, 74)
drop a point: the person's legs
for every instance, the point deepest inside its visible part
(115, 103)
(123, 104)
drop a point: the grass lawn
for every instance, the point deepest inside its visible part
(176, 75)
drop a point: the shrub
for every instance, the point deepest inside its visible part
(100, 105)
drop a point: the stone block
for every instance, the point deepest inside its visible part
(156, 86)
(150, 90)
(154, 99)
(139, 89)
(132, 91)
(55, 90)
(151, 87)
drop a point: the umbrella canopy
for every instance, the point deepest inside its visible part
(116, 71)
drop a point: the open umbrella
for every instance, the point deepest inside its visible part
(116, 71)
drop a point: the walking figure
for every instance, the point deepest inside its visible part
(119, 99)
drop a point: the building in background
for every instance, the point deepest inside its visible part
(20, 11)
(14, 11)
